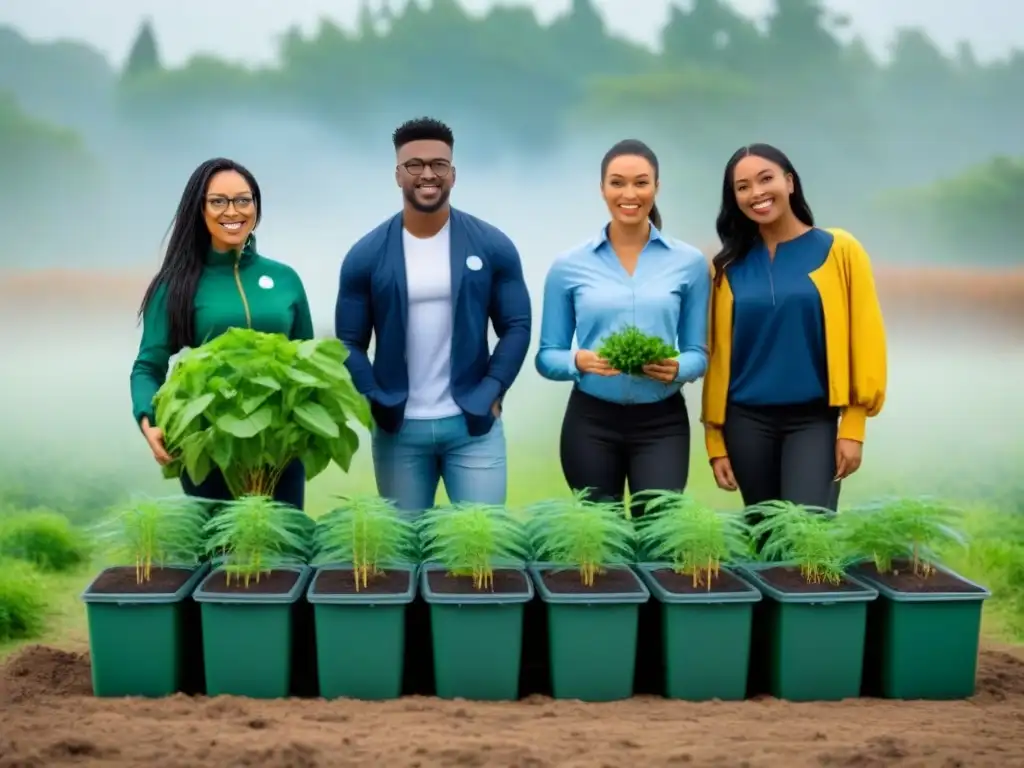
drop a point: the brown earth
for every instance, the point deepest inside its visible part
(48, 719)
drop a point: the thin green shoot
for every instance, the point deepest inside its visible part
(915, 528)
(583, 534)
(806, 536)
(694, 538)
(367, 531)
(256, 534)
(162, 532)
(471, 540)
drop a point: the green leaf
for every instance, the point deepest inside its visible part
(316, 419)
(248, 426)
(344, 447)
(188, 414)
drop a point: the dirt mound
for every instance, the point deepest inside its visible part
(48, 718)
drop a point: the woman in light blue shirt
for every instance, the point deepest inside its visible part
(619, 428)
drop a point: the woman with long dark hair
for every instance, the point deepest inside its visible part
(798, 347)
(621, 428)
(212, 279)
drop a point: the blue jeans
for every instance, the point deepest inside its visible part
(408, 465)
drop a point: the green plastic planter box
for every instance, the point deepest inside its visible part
(248, 638)
(923, 645)
(592, 638)
(809, 646)
(478, 639)
(360, 637)
(137, 642)
(706, 638)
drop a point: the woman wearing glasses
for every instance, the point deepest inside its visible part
(213, 279)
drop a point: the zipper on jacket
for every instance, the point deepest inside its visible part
(241, 292)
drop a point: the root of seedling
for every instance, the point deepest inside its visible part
(483, 578)
(587, 574)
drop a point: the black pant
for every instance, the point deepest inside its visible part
(784, 453)
(291, 488)
(604, 445)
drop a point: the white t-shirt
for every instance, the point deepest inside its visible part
(429, 332)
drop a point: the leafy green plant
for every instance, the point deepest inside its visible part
(253, 535)
(917, 529)
(367, 531)
(583, 534)
(23, 604)
(46, 539)
(630, 349)
(472, 540)
(162, 532)
(695, 538)
(250, 403)
(806, 536)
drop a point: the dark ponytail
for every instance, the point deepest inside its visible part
(638, 148)
(737, 232)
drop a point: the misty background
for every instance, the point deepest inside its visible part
(909, 137)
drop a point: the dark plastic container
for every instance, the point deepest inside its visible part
(360, 638)
(138, 643)
(248, 638)
(705, 638)
(592, 639)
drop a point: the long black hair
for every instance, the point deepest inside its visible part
(639, 149)
(187, 246)
(736, 230)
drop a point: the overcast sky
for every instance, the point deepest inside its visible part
(245, 30)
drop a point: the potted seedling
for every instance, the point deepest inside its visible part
(582, 550)
(365, 578)
(809, 631)
(251, 403)
(924, 629)
(630, 349)
(707, 608)
(260, 549)
(475, 583)
(157, 544)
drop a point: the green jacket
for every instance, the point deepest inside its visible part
(243, 290)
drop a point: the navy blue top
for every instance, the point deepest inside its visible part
(778, 342)
(487, 284)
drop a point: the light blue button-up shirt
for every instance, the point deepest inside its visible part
(589, 294)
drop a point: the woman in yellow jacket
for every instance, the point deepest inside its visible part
(797, 342)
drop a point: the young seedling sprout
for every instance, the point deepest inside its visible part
(161, 532)
(367, 531)
(256, 534)
(581, 533)
(911, 528)
(694, 538)
(805, 536)
(472, 539)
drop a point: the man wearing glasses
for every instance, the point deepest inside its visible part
(424, 285)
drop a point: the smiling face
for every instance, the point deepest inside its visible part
(629, 187)
(229, 210)
(426, 174)
(762, 189)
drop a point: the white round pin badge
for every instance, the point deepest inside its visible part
(475, 263)
(266, 281)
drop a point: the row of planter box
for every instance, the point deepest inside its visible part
(865, 639)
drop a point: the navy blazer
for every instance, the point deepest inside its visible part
(373, 300)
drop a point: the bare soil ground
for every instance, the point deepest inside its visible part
(48, 718)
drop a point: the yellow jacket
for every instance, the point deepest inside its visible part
(854, 339)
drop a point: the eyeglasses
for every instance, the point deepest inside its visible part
(440, 168)
(221, 203)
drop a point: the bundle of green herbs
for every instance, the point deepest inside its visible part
(630, 349)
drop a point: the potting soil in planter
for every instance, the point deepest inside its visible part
(705, 632)
(477, 634)
(592, 631)
(808, 639)
(923, 633)
(138, 638)
(360, 635)
(248, 632)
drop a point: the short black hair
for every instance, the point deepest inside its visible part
(423, 128)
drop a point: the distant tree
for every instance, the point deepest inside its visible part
(144, 56)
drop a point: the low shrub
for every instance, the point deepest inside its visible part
(46, 539)
(23, 605)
